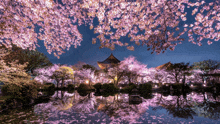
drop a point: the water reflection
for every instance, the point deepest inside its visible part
(70, 108)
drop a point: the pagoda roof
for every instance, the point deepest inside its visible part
(164, 66)
(110, 60)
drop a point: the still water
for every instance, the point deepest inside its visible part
(71, 108)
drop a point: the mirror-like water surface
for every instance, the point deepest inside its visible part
(71, 108)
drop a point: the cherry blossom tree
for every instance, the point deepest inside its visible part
(195, 77)
(128, 70)
(132, 68)
(45, 74)
(85, 75)
(179, 70)
(62, 74)
(158, 24)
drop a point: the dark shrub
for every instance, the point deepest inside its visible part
(186, 87)
(24, 92)
(70, 86)
(198, 85)
(70, 91)
(145, 88)
(132, 85)
(217, 85)
(48, 87)
(147, 95)
(83, 92)
(84, 87)
(165, 87)
(129, 89)
(177, 86)
(106, 94)
(150, 82)
(4, 90)
(97, 86)
(109, 87)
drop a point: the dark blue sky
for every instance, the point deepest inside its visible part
(90, 53)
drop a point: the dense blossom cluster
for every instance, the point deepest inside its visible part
(159, 24)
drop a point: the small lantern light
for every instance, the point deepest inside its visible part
(116, 78)
(87, 81)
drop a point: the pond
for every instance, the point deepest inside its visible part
(71, 108)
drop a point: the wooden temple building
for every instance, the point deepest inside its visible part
(164, 66)
(111, 61)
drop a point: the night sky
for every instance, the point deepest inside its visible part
(90, 53)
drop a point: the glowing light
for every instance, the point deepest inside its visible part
(191, 85)
(116, 78)
(155, 86)
(204, 85)
(87, 81)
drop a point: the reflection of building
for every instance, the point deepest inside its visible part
(111, 61)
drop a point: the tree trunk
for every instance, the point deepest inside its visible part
(176, 78)
(183, 83)
(62, 83)
(57, 82)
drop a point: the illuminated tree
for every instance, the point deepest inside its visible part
(158, 24)
(132, 68)
(45, 74)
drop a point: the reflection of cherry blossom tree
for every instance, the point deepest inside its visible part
(205, 105)
(178, 106)
(120, 111)
(73, 108)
